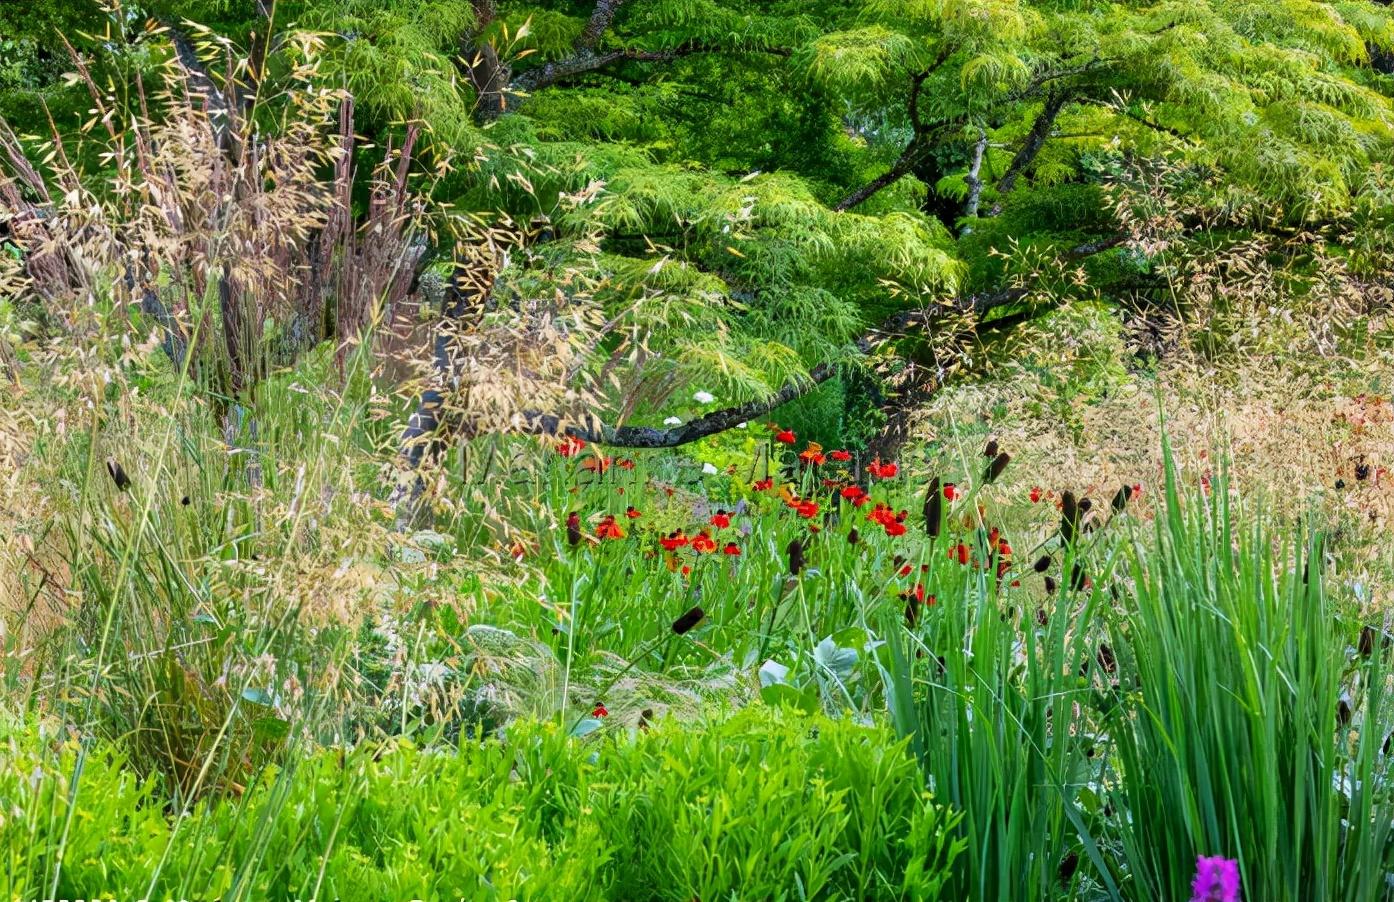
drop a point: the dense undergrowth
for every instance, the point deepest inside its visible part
(696, 449)
(273, 691)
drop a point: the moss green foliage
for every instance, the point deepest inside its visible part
(758, 803)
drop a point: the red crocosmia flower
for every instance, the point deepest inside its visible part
(905, 571)
(1036, 494)
(686, 570)
(721, 519)
(853, 492)
(732, 549)
(895, 528)
(881, 513)
(841, 456)
(959, 551)
(882, 471)
(703, 543)
(813, 454)
(673, 541)
(1003, 567)
(570, 446)
(609, 529)
(919, 592)
(599, 711)
(807, 509)
(597, 464)
(951, 492)
(784, 436)
(763, 485)
(631, 513)
(1004, 548)
(625, 464)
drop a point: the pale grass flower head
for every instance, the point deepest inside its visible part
(704, 397)
(672, 421)
(709, 469)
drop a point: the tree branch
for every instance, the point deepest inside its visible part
(1035, 140)
(599, 23)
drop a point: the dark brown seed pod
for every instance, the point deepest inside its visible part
(1042, 618)
(573, 529)
(796, 561)
(1042, 564)
(991, 449)
(1368, 635)
(1343, 712)
(1069, 517)
(1050, 585)
(184, 501)
(1078, 579)
(1085, 504)
(994, 469)
(1068, 865)
(1362, 471)
(933, 509)
(1121, 498)
(853, 537)
(688, 620)
(118, 475)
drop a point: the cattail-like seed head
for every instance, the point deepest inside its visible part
(1050, 585)
(1069, 517)
(994, 469)
(934, 509)
(687, 621)
(573, 529)
(796, 560)
(991, 449)
(853, 537)
(1042, 564)
(1121, 497)
(1077, 578)
(118, 475)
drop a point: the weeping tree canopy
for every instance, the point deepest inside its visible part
(749, 194)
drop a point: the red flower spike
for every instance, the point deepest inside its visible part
(807, 509)
(763, 485)
(721, 519)
(959, 551)
(631, 513)
(732, 549)
(905, 571)
(570, 446)
(785, 437)
(841, 456)
(895, 528)
(599, 711)
(1036, 494)
(951, 492)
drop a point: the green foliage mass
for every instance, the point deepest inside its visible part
(755, 803)
(694, 153)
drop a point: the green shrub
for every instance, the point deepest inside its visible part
(760, 804)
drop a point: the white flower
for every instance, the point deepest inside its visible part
(704, 397)
(672, 421)
(709, 469)
(741, 425)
